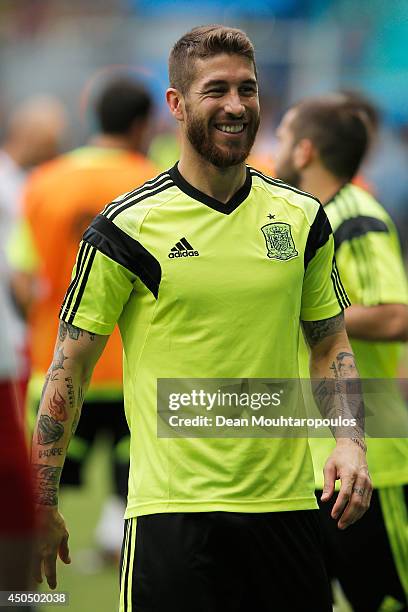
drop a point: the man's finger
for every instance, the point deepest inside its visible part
(64, 550)
(343, 497)
(37, 569)
(368, 490)
(367, 497)
(330, 474)
(358, 504)
(50, 570)
(370, 493)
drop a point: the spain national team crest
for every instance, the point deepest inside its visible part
(279, 241)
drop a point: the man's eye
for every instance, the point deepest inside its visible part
(248, 91)
(215, 92)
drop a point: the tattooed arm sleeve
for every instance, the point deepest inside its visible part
(335, 380)
(76, 353)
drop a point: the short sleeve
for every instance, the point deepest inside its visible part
(99, 289)
(106, 268)
(323, 294)
(369, 257)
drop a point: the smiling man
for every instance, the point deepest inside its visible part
(211, 523)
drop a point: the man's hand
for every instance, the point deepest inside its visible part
(52, 542)
(347, 462)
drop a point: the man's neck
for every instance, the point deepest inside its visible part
(322, 184)
(218, 183)
(109, 141)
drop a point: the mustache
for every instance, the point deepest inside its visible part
(247, 117)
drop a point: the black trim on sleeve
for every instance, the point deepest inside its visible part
(113, 242)
(66, 304)
(357, 227)
(319, 234)
(339, 290)
(196, 194)
(141, 194)
(84, 280)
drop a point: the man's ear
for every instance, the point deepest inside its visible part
(175, 102)
(304, 153)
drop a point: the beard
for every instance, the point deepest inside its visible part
(222, 157)
(287, 173)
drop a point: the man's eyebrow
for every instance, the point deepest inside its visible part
(218, 82)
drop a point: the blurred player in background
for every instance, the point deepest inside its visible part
(33, 135)
(322, 143)
(60, 200)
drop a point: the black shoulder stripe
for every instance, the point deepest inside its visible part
(279, 183)
(148, 184)
(319, 233)
(125, 250)
(139, 198)
(357, 227)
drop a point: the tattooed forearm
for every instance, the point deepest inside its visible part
(316, 331)
(49, 430)
(51, 452)
(340, 395)
(75, 421)
(46, 481)
(47, 378)
(59, 358)
(67, 328)
(56, 406)
(344, 365)
(73, 332)
(71, 391)
(68, 377)
(78, 410)
(47, 473)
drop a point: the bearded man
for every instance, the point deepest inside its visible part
(209, 269)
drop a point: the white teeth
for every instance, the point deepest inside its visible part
(233, 129)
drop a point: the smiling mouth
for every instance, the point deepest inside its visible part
(237, 128)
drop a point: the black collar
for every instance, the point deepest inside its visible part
(196, 194)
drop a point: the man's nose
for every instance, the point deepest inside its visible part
(234, 106)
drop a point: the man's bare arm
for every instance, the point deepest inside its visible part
(338, 393)
(381, 323)
(76, 353)
(25, 290)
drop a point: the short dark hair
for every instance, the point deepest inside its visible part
(203, 42)
(338, 130)
(120, 103)
(361, 102)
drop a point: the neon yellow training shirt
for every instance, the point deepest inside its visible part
(370, 264)
(203, 289)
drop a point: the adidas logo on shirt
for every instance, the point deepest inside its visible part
(183, 249)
